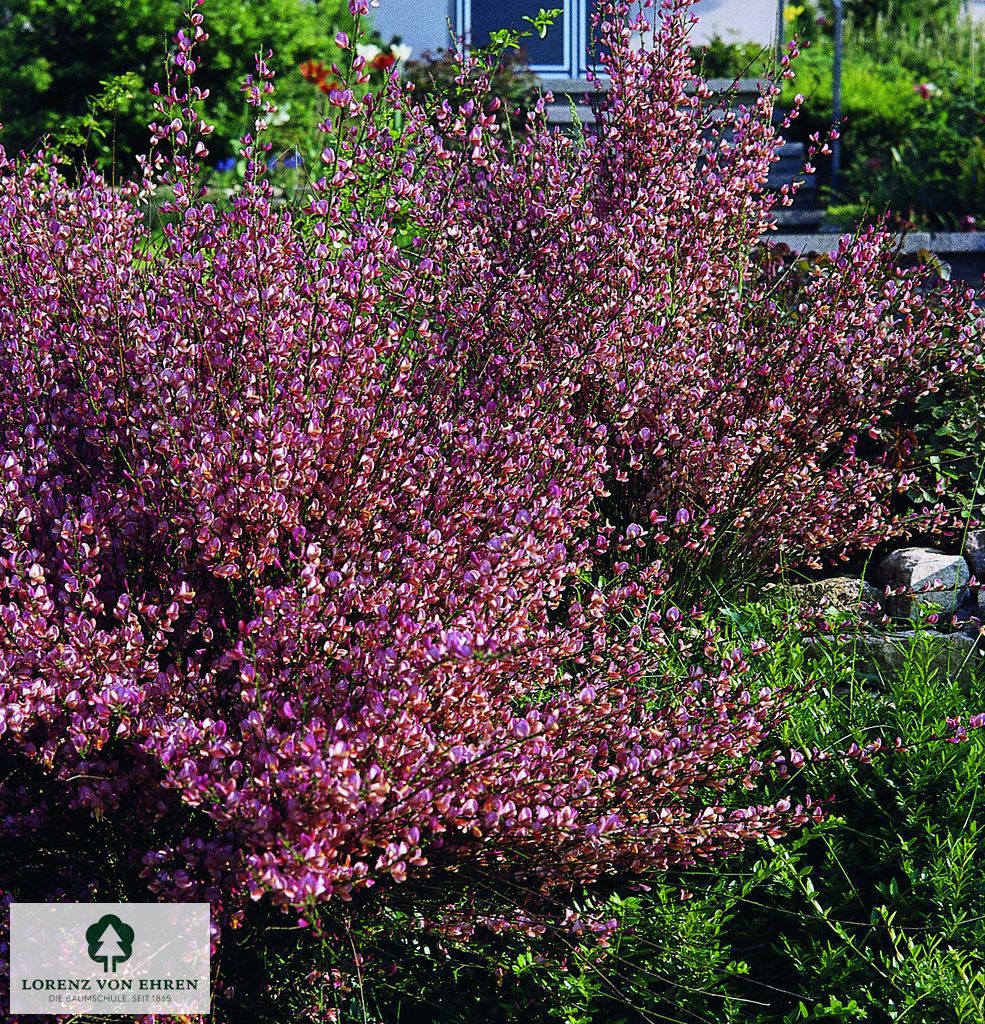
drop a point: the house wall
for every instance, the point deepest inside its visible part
(738, 21)
(421, 24)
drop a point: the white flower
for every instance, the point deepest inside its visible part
(367, 51)
(401, 52)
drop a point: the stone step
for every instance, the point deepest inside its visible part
(961, 253)
(941, 242)
(777, 178)
(789, 164)
(577, 91)
(562, 113)
(745, 91)
(793, 217)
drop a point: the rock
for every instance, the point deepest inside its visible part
(949, 655)
(973, 626)
(956, 656)
(840, 593)
(974, 552)
(934, 581)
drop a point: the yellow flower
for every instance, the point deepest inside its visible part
(791, 13)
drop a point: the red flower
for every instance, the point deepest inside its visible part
(383, 61)
(314, 71)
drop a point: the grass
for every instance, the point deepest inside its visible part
(880, 914)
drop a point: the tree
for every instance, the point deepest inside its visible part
(58, 54)
(110, 940)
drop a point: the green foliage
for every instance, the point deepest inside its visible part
(119, 99)
(890, 896)
(912, 96)
(82, 68)
(896, 12)
(543, 20)
(512, 39)
(720, 59)
(951, 426)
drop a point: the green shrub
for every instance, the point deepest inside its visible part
(912, 132)
(951, 426)
(721, 59)
(897, 12)
(884, 907)
(81, 69)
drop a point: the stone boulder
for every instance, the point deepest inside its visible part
(974, 552)
(839, 594)
(949, 655)
(953, 656)
(934, 581)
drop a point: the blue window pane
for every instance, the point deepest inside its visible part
(491, 15)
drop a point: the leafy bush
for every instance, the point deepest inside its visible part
(951, 426)
(912, 135)
(340, 544)
(877, 916)
(88, 65)
(903, 13)
(721, 59)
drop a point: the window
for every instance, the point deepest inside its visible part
(561, 53)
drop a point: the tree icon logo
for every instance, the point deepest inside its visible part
(110, 942)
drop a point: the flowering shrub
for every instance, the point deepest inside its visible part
(339, 545)
(444, 76)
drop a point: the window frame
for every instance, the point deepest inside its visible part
(575, 28)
